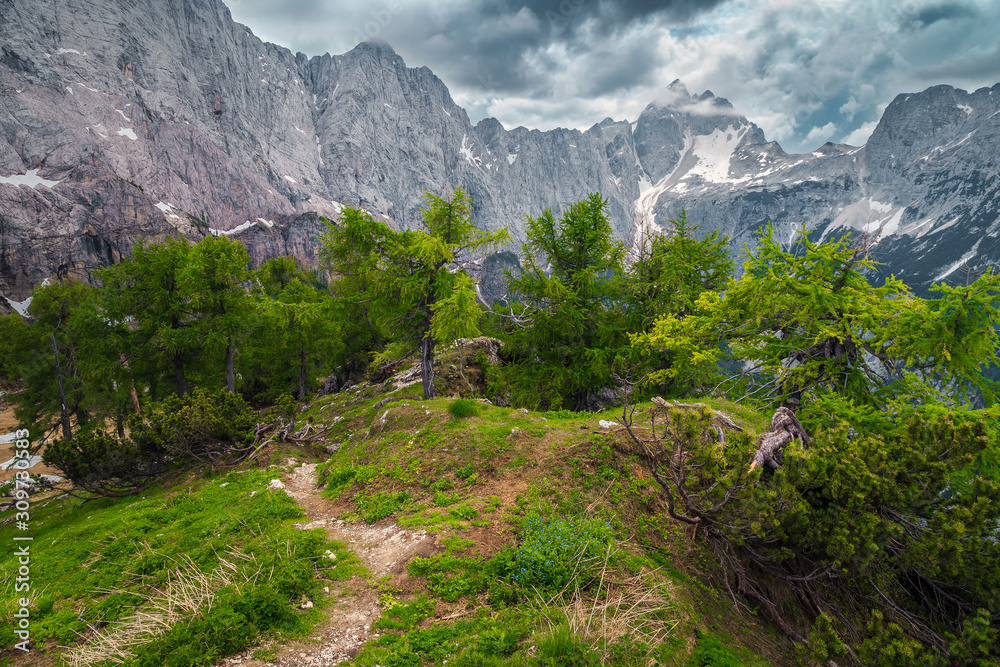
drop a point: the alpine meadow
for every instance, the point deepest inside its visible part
(306, 362)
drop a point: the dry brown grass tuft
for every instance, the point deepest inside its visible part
(188, 591)
(623, 605)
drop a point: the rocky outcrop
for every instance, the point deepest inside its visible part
(134, 119)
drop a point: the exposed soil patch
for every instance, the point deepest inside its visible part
(8, 425)
(385, 548)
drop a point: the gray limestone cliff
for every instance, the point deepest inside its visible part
(130, 119)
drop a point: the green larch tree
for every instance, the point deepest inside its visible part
(144, 294)
(411, 282)
(570, 327)
(670, 272)
(809, 320)
(215, 278)
(301, 324)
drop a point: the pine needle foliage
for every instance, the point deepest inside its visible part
(569, 293)
(411, 283)
(809, 320)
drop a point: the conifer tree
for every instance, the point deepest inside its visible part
(809, 320)
(571, 328)
(299, 326)
(670, 272)
(215, 279)
(411, 282)
(63, 359)
(144, 295)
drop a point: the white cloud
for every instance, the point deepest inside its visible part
(860, 136)
(820, 135)
(850, 107)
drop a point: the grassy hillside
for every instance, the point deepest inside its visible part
(546, 545)
(552, 544)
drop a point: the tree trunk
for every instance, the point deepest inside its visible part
(302, 373)
(230, 371)
(785, 427)
(427, 366)
(120, 422)
(134, 394)
(179, 374)
(63, 412)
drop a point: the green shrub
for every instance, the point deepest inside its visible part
(450, 578)
(478, 659)
(379, 505)
(462, 407)
(889, 646)
(213, 427)
(561, 647)
(406, 615)
(99, 463)
(336, 479)
(442, 499)
(210, 428)
(502, 640)
(561, 414)
(464, 511)
(712, 652)
(977, 645)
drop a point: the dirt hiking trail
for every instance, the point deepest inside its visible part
(383, 548)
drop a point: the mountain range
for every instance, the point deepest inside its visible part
(131, 119)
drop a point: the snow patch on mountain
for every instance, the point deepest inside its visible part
(961, 262)
(167, 210)
(20, 307)
(649, 194)
(714, 153)
(242, 227)
(870, 216)
(29, 178)
(886, 226)
(466, 151)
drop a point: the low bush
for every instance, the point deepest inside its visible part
(99, 463)
(209, 428)
(462, 408)
(379, 505)
(214, 428)
(561, 647)
(554, 552)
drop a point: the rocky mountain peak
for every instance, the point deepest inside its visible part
(373, 50)
(669, 128)
(137, 119)
(935, 121)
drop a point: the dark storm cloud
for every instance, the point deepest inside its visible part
(806, 71)
(616, 68)
(505, 48)
(564, 15)
(925, 17)
(975, 65)
(497, 48)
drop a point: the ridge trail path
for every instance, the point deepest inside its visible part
(384, 548)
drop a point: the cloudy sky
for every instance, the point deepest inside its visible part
(806, 71)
